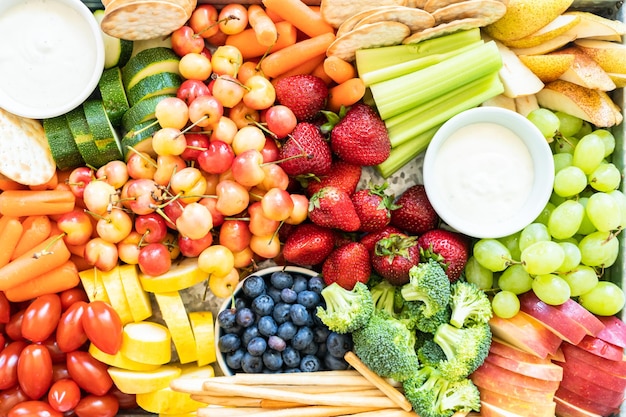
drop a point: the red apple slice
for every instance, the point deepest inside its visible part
(614, 331)
(484, 381)
(582, 370)
(558, 356)
(557, 322)
(574, 353)
(526, 333)
(601, 348)
(490, 410)
(524, 408)
(498, 373)
(582, 316)
(507, 350)
(590, 390)
(583, 402)
(546, 371)
(565, 409)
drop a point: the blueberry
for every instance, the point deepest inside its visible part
(240, 302)
(320, 334)
(316, 284)
(262, 305)
(333, 363)
(227, 318)
(228, 343)
(310, 349)
(274, 293)
(300, 283)
(322, 350)
(302, 338)
(253, 286)
(251, 364)
(338, 344)
(281, 312)
(236, 329)
(299, 314)
(288, 295)
(277, 343)
(308, 298)
(249, 333)
(245, 317)
(291, 370)
(291, 357)
(233, 359)
(272, 360)
(257, 346)
(286, 330)
(281, 279)
(310, 363)
(267, 326)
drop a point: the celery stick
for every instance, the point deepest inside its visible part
(403, 154)
(403, 127)
(372, 59)
(400, 94)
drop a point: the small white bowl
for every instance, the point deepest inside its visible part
(51, 56)
(488, 172)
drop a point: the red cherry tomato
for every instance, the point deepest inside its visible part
(125, 400)
(97, 406)
(9, 357)
(13, 328)
(41, 317)
(9, 398)
(70, 334)
(59, 371)
(5, 308)
(34, 371)
(56, 354)
(33, 409)
(69, 297)
(89, 373)
(103, 326)
(64, 395)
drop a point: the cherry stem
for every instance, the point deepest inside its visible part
(46, 250)
(143, 156)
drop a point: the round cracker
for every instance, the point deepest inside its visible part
(140, 20)
(432, 5)
(368, 36)
(188, 5)
(415, 19)
(353, 20)
(443, 29)
(335, 12)
(489, 10)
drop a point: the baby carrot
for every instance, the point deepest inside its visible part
(50, 185)
(301, 15)
(8, 184)
(273, 15)
(9, 236)
(345, 94)
(321, 73)
(306, 67)
(36, 230)
(35, 202)
(291, 56)
(250, 47)
(56, 280)
(338, 69)
(263, 26)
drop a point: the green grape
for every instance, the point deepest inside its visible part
(603, 211)
(585, 129)
(569, 125)
(586, 227)
(544, 215)
(534, 232)
(556, 199)
(478, 275)
(569, 181)
(545, 120)
(515, 279)
(565, 145)
(492, 254)
(620, 197)
(581, 279)
(505, 304)
(588, 153)
(572, 256)
(608, 139)
(599, 249)
(542, 257)
(606, 177)
(512, 243)
(562, 160)
(551, 289)
(565, 219)
(605, 299)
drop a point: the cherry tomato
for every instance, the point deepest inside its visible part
(8, 363)
(59, 371)
(3, 340)
(13, 328)
(56, 354)
(103, 327)
(89, 373)
(70, 334)
(9, 398)
(34, 371)
(41, 317)
(5, 308)
(125, 400)
(33, 409)
(69, 297)
(64, 395)
(97, 406)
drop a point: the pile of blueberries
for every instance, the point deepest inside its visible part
(272, 327)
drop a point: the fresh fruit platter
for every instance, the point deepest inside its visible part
(238, 220)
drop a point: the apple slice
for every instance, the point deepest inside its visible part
(547, 46)
(574, 353)
(548, 371)
(597, 376)
(525, 333)
(517, 78)
(583, 402)
(502, 348)
(491, 382)
(502, 400)
(590, 390)
(601, 348)
(610, 55)
(558, 356)
(498, 373)
(490, 410)
(581, 315)
(566, 409)
(614, 331)
(585, 71)
(548, 67)
(557, 322)
(592, 25)
(561, 24)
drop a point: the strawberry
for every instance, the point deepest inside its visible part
(308, 244)
(413, 212)
(342, 175)
(373, 206)
(449, 248)
(370, 239)
(360, 136)
(394, 256)
(305, 152)
(304, 94)
(332, 207)
(347, 265)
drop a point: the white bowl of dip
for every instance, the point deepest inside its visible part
(51, 56)
(488, 172)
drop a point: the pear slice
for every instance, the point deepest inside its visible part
(585, 71)
(595, 26)
(548, 67)
(591, 105)
(501, 101)
(547, 46)
(610, 55)
(618, 79)
(517, 78)
(525, 104)
(557, 27)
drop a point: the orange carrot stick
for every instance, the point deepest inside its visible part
(304, 68)
(36, 230)
(291, 56)
(301, 15)
(32, 203)
(250, 47)
(338, 69)
(274, 16)
(9, 236)
(49, 254)
(8, 184)
(56, 280)
(345, 94)
(263, 26)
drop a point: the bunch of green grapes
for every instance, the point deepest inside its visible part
(565, 251)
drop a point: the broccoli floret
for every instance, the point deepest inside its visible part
(424, 390)
(386, 346)
(470, 305)
(346, 310)
(429, 285)
(430, 353)
(384, 296)
(413, 316)
(460, 396)
(465, 348)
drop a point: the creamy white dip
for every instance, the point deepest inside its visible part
(484, 173)
(47, 54)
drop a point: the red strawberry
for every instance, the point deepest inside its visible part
(370, 239)
(342, 175)
(304, 94)
(394, 256)
(308, 244)
(305, 152)
(347, 265)
(332, 207)
(360, 137)
(373, 206)
(449, 248)
(413, 213)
